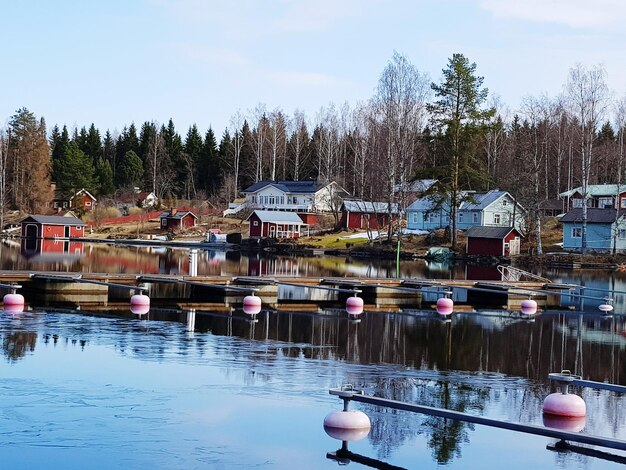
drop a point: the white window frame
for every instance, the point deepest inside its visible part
(496, 219)
(474, 217)
(577, 232)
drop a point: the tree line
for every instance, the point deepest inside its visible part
(410, 128)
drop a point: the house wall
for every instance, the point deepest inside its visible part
(599, 237)
(255, 226)
(271, 197)
(82, 202)
(485, 246)
(189, 221)
(503, 207)
(55, 231)
(418, 220)
(323, 197)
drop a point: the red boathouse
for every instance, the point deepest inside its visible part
(493, 241)
(52, 226)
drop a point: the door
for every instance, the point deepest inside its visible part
(272, 231)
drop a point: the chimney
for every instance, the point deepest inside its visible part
(173, 211)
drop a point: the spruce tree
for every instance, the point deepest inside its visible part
(74, 171)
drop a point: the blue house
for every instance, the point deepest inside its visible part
(479, 209)
(605, 229)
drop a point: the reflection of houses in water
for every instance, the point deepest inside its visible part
(482, 273)
(51, 250)
(274, 267)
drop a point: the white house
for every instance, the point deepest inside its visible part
(298, 196)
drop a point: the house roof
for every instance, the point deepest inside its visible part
(488, 232)
(417, 186)
(596, 190)
(54, 220)
(554, 204)
(305, 187)
(481, 200)
(84, 191)
(368, 207)
(594, 216)
(427, 203)
(178, 215)
(280, 217)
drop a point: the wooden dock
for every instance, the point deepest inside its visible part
(103, 288)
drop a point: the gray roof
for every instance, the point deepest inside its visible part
(594, 216)
(304, 187)
(596, 190)
(488, 232)
(481, 200)
(426, 204)
(54, 220)
(417, 186)
(280, 217)
(178, 215)
(368, 207)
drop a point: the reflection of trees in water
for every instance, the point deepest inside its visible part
(16, 345)
(391, 428)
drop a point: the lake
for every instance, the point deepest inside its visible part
(179, 389)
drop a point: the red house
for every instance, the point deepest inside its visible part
(83, 200)
(52, 226)
(493, 241)
(363, 214)
(275, 224)
(178, 220)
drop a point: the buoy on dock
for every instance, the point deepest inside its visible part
(251, 304)
(354, 305)
(347, 425)
(140, 304)
(445, 305)
(529, 307)
(13, 303)
(607, 306)
(562, 403)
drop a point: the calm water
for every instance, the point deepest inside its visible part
(171, 389)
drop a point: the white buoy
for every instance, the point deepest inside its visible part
(607, 306)
(565, 405)
(445, 306)
(529, 307)
(350, 425)
(13, 303)
(251, 304)
(354, 305)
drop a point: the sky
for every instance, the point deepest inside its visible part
(113, 62)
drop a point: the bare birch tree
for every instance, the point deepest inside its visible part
(588, 98)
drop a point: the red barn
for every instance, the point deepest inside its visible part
(493, 241)
(52, 226)
(363, 214)
(178, 220)
(275, 224)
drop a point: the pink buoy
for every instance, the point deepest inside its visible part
(349, 425)
(565, 405)
(13, 303)
(140, 309)
(529, 307)
(564, 423)
(444, 306)
(251, 304)
(354, 305)
(140, 300)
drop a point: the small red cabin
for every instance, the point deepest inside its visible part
(52, 226)
(493, 241)
(83, 200)
(365, 214)
(178, 220)
(275, 224)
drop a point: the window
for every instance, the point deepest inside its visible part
(163, 222)
(414, 217)
(475, 217)
(623, 203)
(460, 217)
(432, 217)
(496, 218)
(577, 232)
(577, 202)
(88, 203)
(253, 199)
(605, 202)
(255, 223)
(621, 234)
(446, 219)
(504, 202)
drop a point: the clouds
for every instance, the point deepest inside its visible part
(572, 13)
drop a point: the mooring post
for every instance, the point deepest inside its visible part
(193, 262)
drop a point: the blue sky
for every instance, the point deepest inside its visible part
(113, 62)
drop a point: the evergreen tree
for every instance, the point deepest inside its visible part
(60, 144)
(93, 143)
(209, 172)
(457, 113)
(130, 171)
(104, 173)
(75, 171)
(190, 158)
(173, 149)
